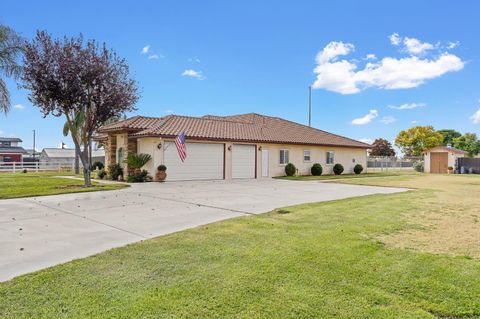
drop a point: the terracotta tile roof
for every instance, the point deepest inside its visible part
(249, 127)
(447, 148)
(132, 124)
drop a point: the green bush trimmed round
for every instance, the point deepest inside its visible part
(317, 169)
(358, 169)
(98, 165)
(338, 169)
(290, 169)
(161, 168)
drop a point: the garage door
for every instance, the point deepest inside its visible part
(439, 162)
(204, 161)
(243, 161)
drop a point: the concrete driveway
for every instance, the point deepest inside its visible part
(39, 232)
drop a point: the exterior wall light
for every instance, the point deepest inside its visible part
(229, 147)
(159, 146)
(259, 148)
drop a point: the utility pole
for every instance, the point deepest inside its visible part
(34, 150)
(310, 106)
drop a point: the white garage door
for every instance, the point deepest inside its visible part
(204, 161)
(243, 161)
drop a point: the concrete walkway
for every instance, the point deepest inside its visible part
(40, 232)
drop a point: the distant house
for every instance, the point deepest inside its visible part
(10, 150)
(66, 156)
(439, 158)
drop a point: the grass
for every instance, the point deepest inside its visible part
(346, 176)
(324, 260)
(38, 184)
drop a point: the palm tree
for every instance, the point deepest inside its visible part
(11, 46)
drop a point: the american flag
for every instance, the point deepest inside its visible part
(181, 148)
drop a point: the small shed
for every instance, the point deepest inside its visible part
(439, 158)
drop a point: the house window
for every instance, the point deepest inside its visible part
(330, 157)
(306, 156)
(4, 143)
(120, 156)
(284, 154)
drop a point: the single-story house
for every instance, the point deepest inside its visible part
(439, 158)
(10, 150)
(65, 157)
(229, 147)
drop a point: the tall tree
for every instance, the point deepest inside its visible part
(85, 82)
(382, 147)
(414, 141)
(11, 45)
(448, 136)
(468, 142)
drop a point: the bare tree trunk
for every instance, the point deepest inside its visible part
(77, 163)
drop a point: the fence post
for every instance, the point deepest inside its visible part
(36, 167)
(14, 167)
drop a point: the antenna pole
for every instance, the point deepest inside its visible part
(34, 144)
(310, 105)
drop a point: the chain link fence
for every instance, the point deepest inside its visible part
(391, 163)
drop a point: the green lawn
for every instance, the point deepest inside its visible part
(37, 184)
(324, 260)
(347, 176)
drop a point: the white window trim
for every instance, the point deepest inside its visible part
(280, 158)
(326, 158)
(309, 155)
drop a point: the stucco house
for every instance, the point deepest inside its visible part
(229, 147)
(439, 158)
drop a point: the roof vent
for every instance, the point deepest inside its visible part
(449, 145)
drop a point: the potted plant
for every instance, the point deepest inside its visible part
(161, 174)
(450, 170)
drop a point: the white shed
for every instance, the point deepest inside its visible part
(439, 158)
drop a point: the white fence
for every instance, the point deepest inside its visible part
(19, 167)
(386, 163)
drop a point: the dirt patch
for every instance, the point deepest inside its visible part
(445, 222)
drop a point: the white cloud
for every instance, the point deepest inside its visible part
(414, 122)
(365, 119)
(194, 74)
(476, 117)
(168, 111)
(371, 56)
(407, 106)
(416, 47)
(154, 57)
(1, 132)
(388, 120)
(366, 140)
(145, 49)
(19, 106)
(342, 75)
(453, 45)
(395, 39)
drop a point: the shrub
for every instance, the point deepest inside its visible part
(137, 161)
(338, 169)
(24, 170)
(138, 177)
(161, 168)
(98, 165)
(114, 171)
(418, 166)
(290, 169)
(316, 169)
(358, 169)
(101, 174)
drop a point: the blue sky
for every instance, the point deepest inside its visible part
(225, 57)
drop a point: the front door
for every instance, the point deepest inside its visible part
(265, 163)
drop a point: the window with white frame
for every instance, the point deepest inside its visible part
(284, 154)
(330, 157)
(306, 156)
